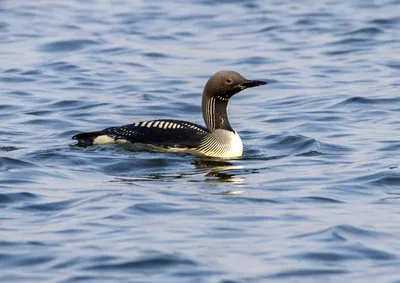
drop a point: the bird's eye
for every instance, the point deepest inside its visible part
(228, 81)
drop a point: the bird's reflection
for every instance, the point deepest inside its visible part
(218, 170)
(208, 169)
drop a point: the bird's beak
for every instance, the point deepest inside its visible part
(250, 83)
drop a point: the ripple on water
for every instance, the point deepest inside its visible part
(62, 66)
(368, 31)
(7, 198)
(16, 79)
(352, 41)
(9, 148)
(54, 123)
(116, 51)
(308, 272)
(361, 101)
(26, 260)
(66, 104)
(49, 207)
(19, 93)
(392, 146)
(344, 233)
(386, 22)
(68, 45)
(394, 65)
(159, 261)
(164, 208)
(316, 199)
(7, 163)
(156, 55)
(288, 144)
(382, 179)
(347, 252)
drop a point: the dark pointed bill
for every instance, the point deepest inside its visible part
(250, 83)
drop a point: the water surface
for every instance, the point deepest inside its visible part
(315, 196)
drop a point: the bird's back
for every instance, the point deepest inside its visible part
(157, 133)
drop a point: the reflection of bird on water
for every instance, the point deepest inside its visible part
(218, 170)
(206, 170)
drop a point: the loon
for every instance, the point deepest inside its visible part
(218, 139)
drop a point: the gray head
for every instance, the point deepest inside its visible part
(224, 84)
(217, 92)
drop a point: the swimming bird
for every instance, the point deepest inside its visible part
(218, 139)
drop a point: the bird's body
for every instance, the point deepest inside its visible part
(218, 139)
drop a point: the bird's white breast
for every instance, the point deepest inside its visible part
(221, 143)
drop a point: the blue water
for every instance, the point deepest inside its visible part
(315, 197)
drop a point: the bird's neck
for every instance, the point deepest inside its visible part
(215, 114)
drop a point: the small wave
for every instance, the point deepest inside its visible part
(291, 144)
(371, 253)
(54, 123)
(7, 163)
(9, 148)
(270, 29)
(62, 66)
(359, 100)
(146, 208)
(305, 22)
(3, 26)
(326, 256)
(50, 206)
(382, 179)
(342, 52)
(25, 260)
(351, 252)
(9, 107)
(366, 31)
(155, 262)
(308, 272)
(257, 200)
(16, 197)
(351, 41)
(65, 103)
(20, 93)
(386, 22)
(116, 51)
(343, 233)
(255, 60)
(32, 73)
(12, 71)
(392, 147)
(16, 79)
(316, 199)
(394, 65)
(68, 45)
(156, 55)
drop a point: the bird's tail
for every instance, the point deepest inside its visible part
(87, 139)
